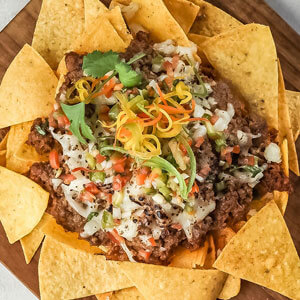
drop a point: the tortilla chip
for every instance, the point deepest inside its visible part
(247, 57)
(100, 35)
(20, 156)
(153, 16)
(58, 25)
(263, 252)
(61, 70)
(125, 294)
(19, 198)
(67, 273)
(231, 288)
(285, 157)
(198, 39)
(212, 20)
(3, 158)
(92, 9)
(57, 232)
(4, 142)
(27, 90)
(31, 242)
(169, 281)
(211, 253)
(184, 258)
(285, 128)
(184, 12)
(293, 99)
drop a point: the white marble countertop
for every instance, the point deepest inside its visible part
(10, 287)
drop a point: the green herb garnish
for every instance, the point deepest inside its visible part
(78, 127)
(97, 64)
(40, 130)
(92, 215)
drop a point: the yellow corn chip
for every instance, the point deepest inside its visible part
(100, 35)
(19, 198)
(212, 20)
(67, 273)
(58, 26)
(247, 57)
(31, 242)
(285, 128)
(33, 95)
(169, 281)
(231, 288)
(293, 99)
(19, 156)
(3, 158)
(53, 230)
(125, 294)
(92, 9)
(263, 252)
(153, 16)
(184, 12)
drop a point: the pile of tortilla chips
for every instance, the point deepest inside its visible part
(259, 250)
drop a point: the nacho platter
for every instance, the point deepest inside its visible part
(18, 156)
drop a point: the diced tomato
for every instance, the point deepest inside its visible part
(100, 158)
(182, 148)
(119, 182)
(63, 121)
(68, 178)
(250, 160)
(199, 142)
(177, 226)
(236, 149)
(169, 68)
(92, 188)
(54, 159)
(108, 88)
(118, 87)
(145, 254)
(119, 168)
(214, 119)
(86, 196)
(115, 237)
(152, 241)
(140, 179)
(195, 189)
(124, 132)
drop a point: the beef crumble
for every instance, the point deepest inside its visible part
(232, 202)
(40, 137)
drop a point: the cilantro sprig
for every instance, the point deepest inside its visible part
(97, 64)
(78, 127)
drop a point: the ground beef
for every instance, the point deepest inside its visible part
(58, 207)
(275, 180)
(43, 143)
(74, 67)
(3, 133)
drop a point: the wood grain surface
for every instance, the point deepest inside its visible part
(20, 31)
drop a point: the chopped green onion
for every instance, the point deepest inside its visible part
(92, 215)
(220, 186)
(136, 57)
(166, 192)
(40, 130)
(220, 143)
(97, 176)
(107, 220)
(159, 162)
(114, 112)
(90, 160)
(117, 199)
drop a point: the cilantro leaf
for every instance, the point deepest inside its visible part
(128, 76)
(97, 64)
(75, 114)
